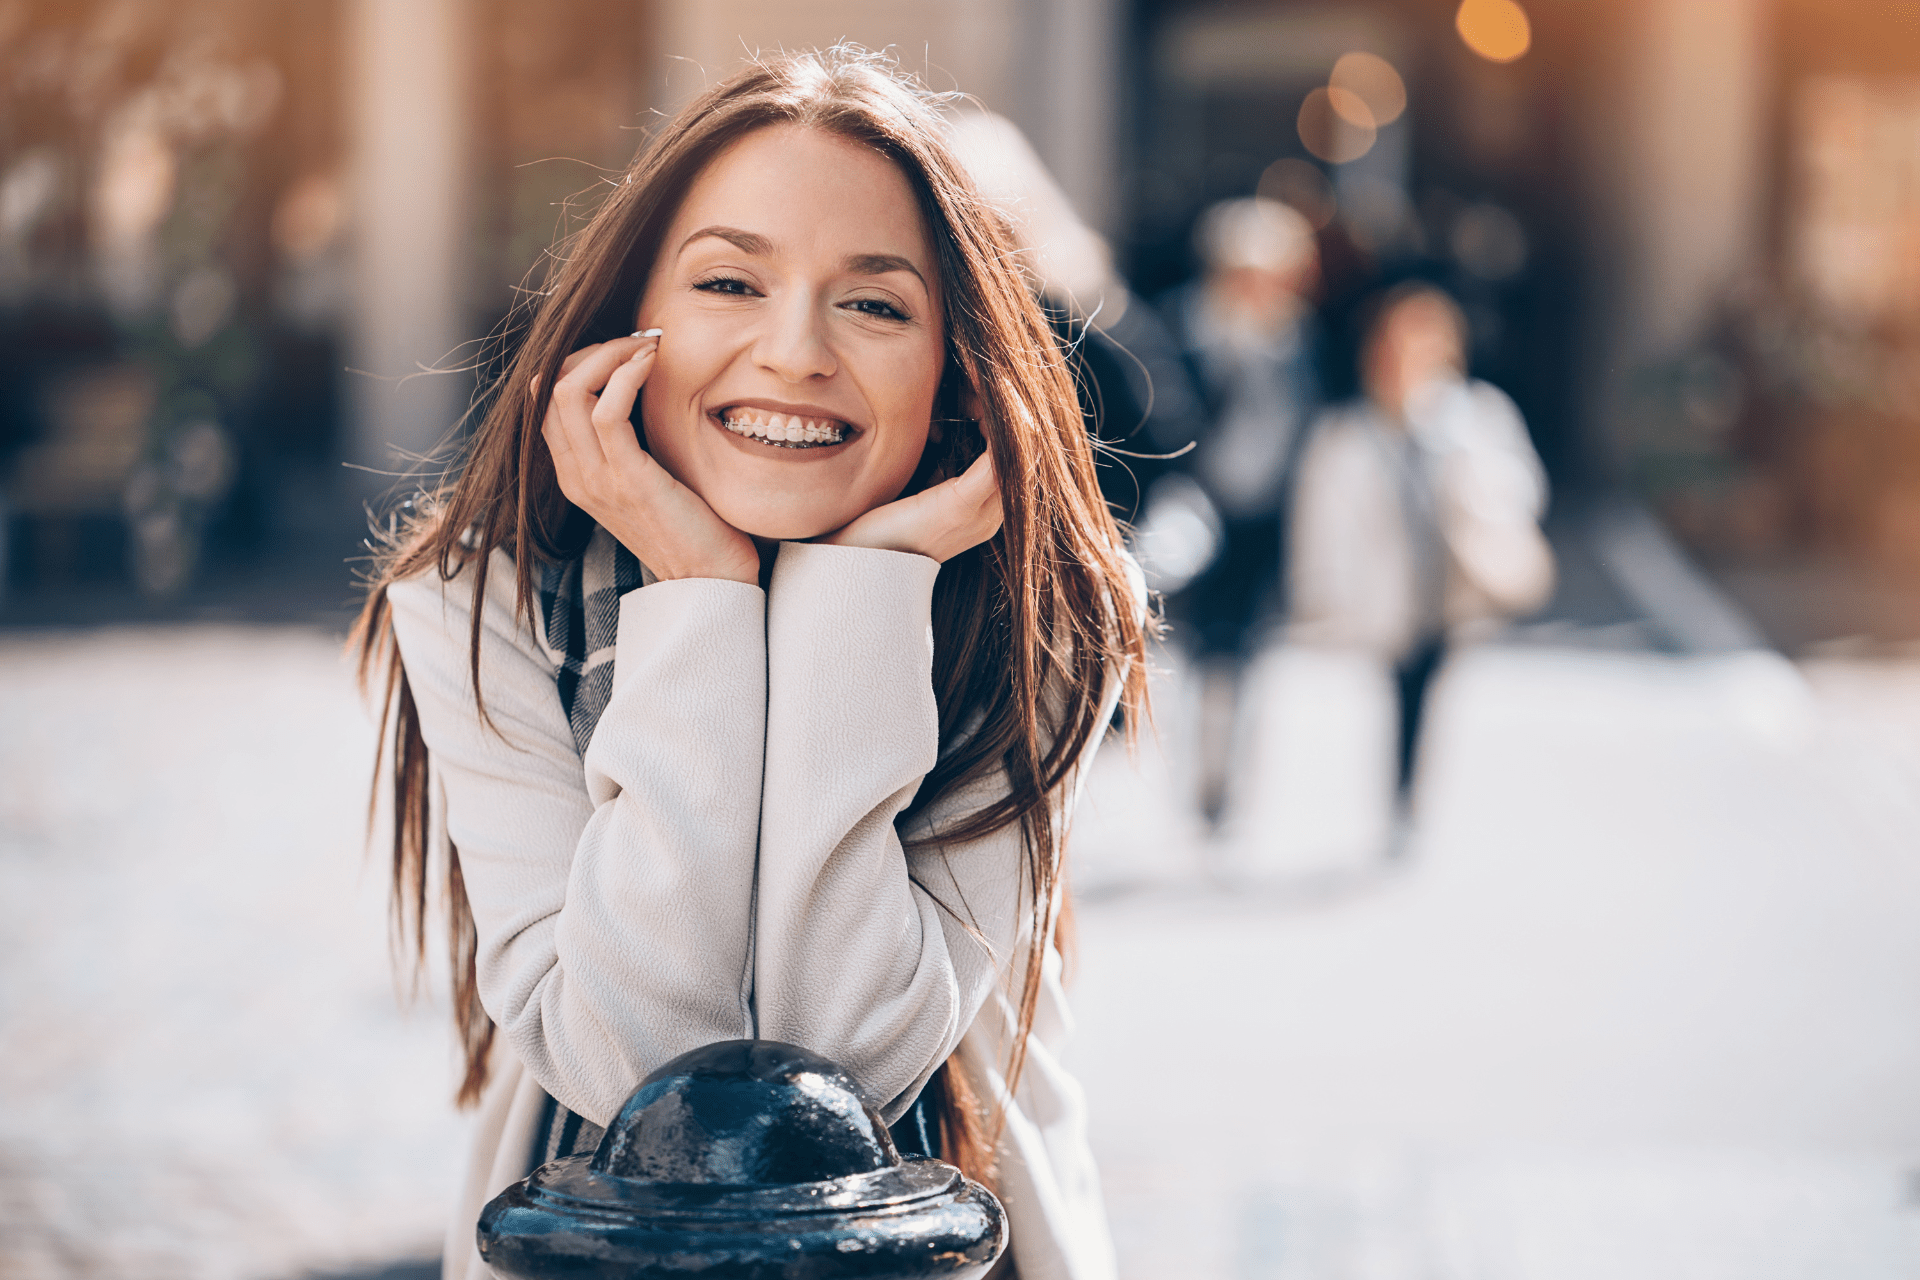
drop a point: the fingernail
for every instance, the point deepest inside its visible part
(646, 333)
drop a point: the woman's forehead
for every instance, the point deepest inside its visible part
(792, 190)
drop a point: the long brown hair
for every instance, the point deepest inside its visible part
(1029, 627)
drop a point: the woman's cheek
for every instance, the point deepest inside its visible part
(898, 471)
(660, 432)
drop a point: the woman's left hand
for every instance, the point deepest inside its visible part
(938, 523)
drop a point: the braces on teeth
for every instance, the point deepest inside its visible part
(787, 431)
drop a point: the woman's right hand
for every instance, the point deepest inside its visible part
(603, 470)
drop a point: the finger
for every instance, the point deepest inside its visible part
(946, 519)
(567, 365)
(551, 429)
(574, 397)
(977, 493)
(555, 436)
(980, 522)
(978, 480)
(568, 428)
(613, 412)
(968, 495)
(566, 470)
(587, 370)
(643, 479)
(625, 344)
(992, 516)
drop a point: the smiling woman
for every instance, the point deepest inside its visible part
(663, 647)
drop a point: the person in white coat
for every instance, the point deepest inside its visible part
(1417, 512)
(758, 650)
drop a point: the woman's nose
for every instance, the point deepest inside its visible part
(794, 342)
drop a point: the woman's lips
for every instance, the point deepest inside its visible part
(783, 430)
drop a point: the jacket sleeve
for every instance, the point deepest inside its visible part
(1492, 466)
(612, 895)
(1350, 572)
(877, 958)
(1492, 492)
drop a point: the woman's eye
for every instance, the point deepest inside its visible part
(877, 307)
(725, 284)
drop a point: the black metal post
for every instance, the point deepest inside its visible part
(744, 1160)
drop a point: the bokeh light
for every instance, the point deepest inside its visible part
(1497, 30)
(1336, 125)
(1374, 80)
(1351, 107)
(309, 217)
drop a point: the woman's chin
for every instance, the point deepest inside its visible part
(782, 526)
(822, 501)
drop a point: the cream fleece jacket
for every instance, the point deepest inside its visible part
(723, 862)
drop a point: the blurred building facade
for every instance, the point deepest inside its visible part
(234, 233)
(171, 296)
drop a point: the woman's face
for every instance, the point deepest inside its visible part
(1414, 343)
(802, 343)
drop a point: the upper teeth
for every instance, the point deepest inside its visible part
(783, 428)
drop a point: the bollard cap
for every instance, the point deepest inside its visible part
(745, 1158)
(745, 1113)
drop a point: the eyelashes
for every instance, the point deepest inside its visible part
(731, 286)
(735, 287)
(885, 310)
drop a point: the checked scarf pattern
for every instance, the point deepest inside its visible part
(580, 610)
(580, 607)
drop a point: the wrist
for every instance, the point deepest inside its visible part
(666, 566)
(726, 570)
(873, 541)
(715, 573)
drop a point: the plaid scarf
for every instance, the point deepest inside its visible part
(580, 605)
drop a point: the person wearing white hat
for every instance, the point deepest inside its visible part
(1248, 326)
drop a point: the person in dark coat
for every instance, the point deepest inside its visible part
(1248, 328)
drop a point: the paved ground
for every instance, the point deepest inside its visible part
(1642, 1003)
(204, 1072)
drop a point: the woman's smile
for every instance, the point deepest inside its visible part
(790, 429)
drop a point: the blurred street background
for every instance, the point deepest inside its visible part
(1632, 989)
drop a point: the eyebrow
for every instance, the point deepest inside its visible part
(860, 264)
(745, 241)
(878, 264)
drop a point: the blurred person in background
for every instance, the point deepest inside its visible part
(1132, 375)
(1417, 511)
(1249, 330)
(720, 642)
